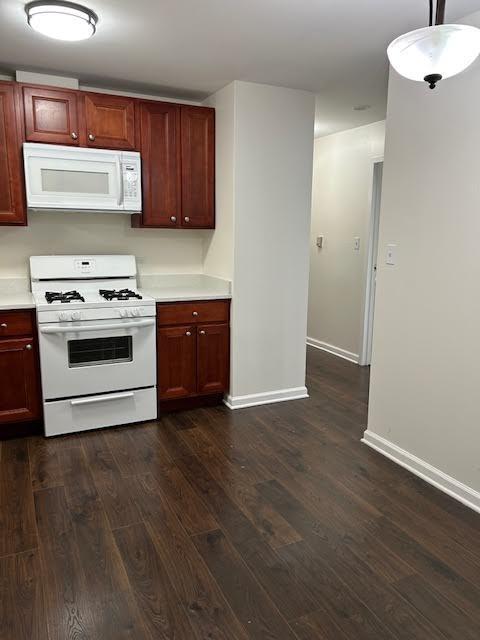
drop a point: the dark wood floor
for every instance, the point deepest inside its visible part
(271, 522)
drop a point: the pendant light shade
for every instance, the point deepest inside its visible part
(435, 52)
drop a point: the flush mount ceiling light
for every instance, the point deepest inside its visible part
(61, 20)
(435, 52)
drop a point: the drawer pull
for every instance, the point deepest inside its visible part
(173, 218)
(74, 136)
(4, 325)
(91, 137)
(202, 332)
(28, 347)
(194, 314)
(188, 333)
(187, 219)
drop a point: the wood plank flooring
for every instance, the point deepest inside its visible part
(270, 523)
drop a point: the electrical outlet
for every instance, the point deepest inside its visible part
(356, 243)
(319, 242)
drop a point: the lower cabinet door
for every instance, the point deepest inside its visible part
(19, 381)
(177, 362)
(213, 347)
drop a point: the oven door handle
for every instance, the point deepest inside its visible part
(99, 327)
(113, 396)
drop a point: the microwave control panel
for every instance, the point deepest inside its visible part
(130, 180)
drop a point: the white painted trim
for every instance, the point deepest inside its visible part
(449, 485)
(330, 348)
(255, 399)
(373, 231)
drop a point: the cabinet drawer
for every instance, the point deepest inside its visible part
(16, 323)
(192, 312)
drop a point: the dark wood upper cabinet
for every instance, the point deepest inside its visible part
(176, 348)
(12, 201)
(198, 166)
(213, 358)
(159, 134)
(109, 121)
(51, 115)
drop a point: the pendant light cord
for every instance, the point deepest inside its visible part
(440, 15)
(430, 20)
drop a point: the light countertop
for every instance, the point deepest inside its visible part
(14, 293)
(19, 300)
(185, 287)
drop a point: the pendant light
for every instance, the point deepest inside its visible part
(61, 20)
(435, 52)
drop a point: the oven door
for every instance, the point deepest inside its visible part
(85, 358)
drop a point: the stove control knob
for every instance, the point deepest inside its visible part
(64, 316)
(123, 313)
(76, 315)
(135, 313)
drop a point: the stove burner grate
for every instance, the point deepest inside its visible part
(121, 294)
(63, 296)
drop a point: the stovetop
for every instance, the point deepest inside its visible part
(90, 298)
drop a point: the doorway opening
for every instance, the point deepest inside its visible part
(372, 257)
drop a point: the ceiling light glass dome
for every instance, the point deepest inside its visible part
(61, 20)
(440, 51)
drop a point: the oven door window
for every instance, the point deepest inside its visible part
(97, 351)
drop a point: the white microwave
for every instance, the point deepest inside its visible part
(59, 178)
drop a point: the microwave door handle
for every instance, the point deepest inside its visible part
(119, 182)
(99, 327)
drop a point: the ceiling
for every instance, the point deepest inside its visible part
(189, 49)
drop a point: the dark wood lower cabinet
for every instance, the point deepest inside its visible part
(20, 396)
(213, 345)
(193, 359)
(177, 362)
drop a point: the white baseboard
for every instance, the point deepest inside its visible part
(255, 399)
(336, 351)
(461, 492)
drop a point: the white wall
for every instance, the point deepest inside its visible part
(272, 184)
(218, 248)
(341, 209)
(426, 371)
(157, 250)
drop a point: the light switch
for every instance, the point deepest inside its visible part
(356, 244)
(319, 242)
(391, 257)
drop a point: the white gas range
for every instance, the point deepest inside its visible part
(97, 342)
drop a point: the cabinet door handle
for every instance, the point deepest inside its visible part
(187, 219)
(4, 325)
(173, 218)
(91, 137)
(188, 333)
(202, 332)
(74, 135)
(194, 314)
(28, 347)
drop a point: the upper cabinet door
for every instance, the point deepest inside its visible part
(110, 121)
(51, 115)
(160, 148)
(12, 204)
(198, 167)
